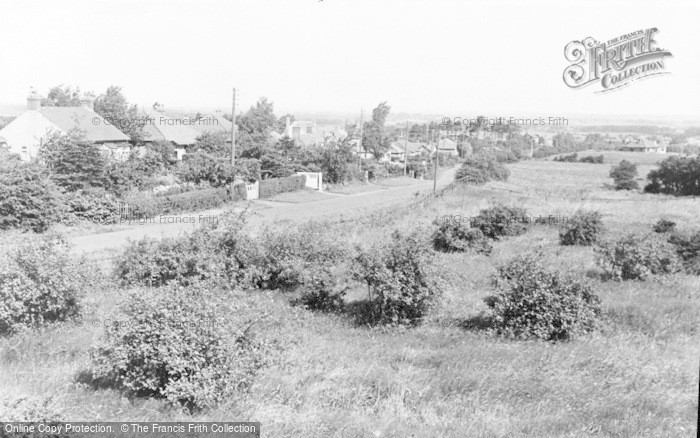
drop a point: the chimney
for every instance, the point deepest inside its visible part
(287, 124)
(33, 100)
(88, 101)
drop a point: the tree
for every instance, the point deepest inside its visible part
(374, 136)
(623, 174)
(74, 163)
(114, 107)
(62, 95)
(29, 200)
(254, 128)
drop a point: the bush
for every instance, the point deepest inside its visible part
(583, 228)
(321, 290)
(29, 200)
(593, 160)
(92, 206)
(147, 206)
(664, 226)
(678, 176)
(401, 278)
(567, 158)
(535, 302)
(288, 252)
(31, 409)
(199, 168)
(480, 170)
(39, 284)
(688, 249)
(273, 186)
(501, 220)
(216, 250)
(74, 163)
(635, 257)
(180, 344)
(624, 175)
(456, 236)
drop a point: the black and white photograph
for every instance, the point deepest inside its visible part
(349, 218)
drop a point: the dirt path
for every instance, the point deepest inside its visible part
(261, 211)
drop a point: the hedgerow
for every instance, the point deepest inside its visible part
(273, 186)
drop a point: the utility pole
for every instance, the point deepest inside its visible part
(405, 152)
(233, 129)
(435, 166)
(362, 122)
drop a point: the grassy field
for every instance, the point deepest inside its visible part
(637, 376)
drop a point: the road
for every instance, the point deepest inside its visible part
(260, 211)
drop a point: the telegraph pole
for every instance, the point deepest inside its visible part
(362, 122)
(405, 152)
(435, 166)
(233, 129)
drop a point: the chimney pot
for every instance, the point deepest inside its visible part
(33, 100)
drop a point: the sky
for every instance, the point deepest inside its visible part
(456, 58)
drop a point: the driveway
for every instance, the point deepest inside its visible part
(261, 211)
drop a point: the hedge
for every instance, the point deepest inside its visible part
(271, 187)
(145, 207)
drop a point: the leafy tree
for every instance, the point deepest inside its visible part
(374, 135)
(624, 174)
(29, 200)
(336, 160)
(216, 143)
(676, 175)
(254, 128)
(62, 95)
(73, 162)
(114, 107)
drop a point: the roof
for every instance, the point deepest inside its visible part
(447, 144)
(413, 147)
(94, 126)
(158, 126)
(211, 123)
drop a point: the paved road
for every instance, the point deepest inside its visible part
(261, 211)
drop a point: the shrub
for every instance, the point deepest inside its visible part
(39, 284)
(321, 290)
(501, 220)
(146, 206)
(401, 279)
(288, 252)
(688, 249)
(273, 186)
(624, 175)
(201, 168)
(31, 409)
(92, 206)
(567, 158)
(636, 257)
(216, 250)
(74, 163)
(678, 176)
(456, 236)
(664, 226)
(535, 302)
(29, 200)
(180, 344)
(592, 160)
(583, 228)
(480, 170)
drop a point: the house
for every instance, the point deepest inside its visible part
(448, 146)
(211, 123)
(24, 134)
(645, 145)
(158, 126)
(307, 133)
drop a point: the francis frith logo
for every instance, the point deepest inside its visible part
(615, 63)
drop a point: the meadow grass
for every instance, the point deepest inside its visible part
(635, 376)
